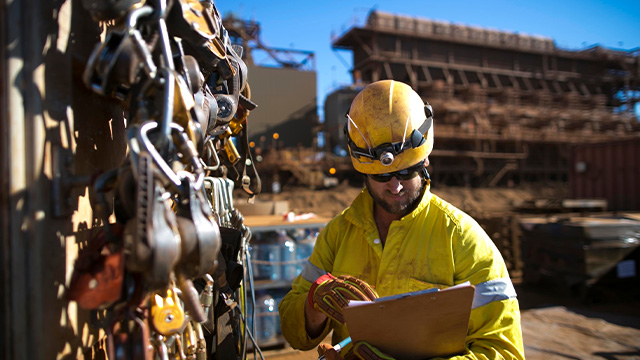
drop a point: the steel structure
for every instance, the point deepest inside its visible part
(507, 105)
(247, 34)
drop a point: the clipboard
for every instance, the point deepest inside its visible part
(415, 325)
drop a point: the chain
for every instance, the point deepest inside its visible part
(186, 94)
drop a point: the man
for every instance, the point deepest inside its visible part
(397, 237)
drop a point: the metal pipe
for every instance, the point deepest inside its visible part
(480, 154)
(167, 109)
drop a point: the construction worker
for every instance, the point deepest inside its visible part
(398, 237)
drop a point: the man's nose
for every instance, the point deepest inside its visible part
(394, 185)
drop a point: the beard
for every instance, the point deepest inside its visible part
(395, 207)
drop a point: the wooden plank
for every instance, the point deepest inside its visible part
(275, 222)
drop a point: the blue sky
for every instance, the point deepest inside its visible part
(309, 25)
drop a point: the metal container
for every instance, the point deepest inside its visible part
(608, 170)
(579, 252)
(286, 99)
(336, 105)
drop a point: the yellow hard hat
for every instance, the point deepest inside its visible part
(389, 128)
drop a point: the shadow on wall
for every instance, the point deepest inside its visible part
(87, 130)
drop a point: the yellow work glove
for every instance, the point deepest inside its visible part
(361, 350)
(329, 294)
(365, 351)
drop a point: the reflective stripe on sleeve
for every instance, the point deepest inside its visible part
(311, 272)
(493, 290)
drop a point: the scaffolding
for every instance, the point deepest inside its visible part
(247, 34)
(508, 106)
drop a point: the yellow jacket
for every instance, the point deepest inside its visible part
(436, 245)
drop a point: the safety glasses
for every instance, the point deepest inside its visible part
(404, 174)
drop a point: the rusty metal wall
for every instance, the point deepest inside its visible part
(609, 170)
(48, 115)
